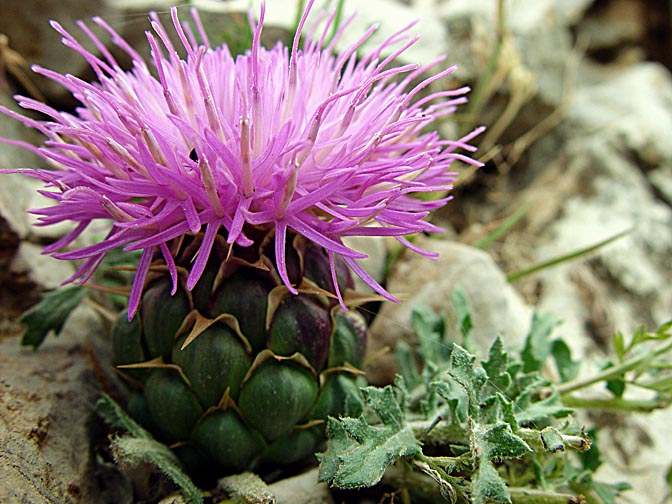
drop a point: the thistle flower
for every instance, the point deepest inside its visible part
(309, 140)
(239, 178)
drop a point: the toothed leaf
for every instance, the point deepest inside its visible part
(538, 345)
(358, 453)
(50, 314)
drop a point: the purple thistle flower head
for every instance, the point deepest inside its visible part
(328, 144)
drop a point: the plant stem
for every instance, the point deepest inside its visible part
(534, 438)
(616, 404)
(615, 371)
(502, 229)
(529, 496)
(443, 433)
(300, 7)
(512, 277)
(480, 94)
(338, 19)
(423, 486)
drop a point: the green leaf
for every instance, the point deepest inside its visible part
(138, 448)
(665, 330)
(406, 366)
(640, 335)
(470, 379)
(475, 418)
(537, 344)
(494, 442)
(608, 492)
(591, 459)
(137, 452)
(550, 407)
(662, 384)
(463, 315)
(487, 486)
(117, 417)
(661, 334)
(50, 314)
(497, 366)
(568, 369)
(430, 328)
(552, 440)
(507, 413)
(338, 444)
(385, 404)
(616, 387)
(358, 453)
(527, 385)
(498, 441)
(618, 340)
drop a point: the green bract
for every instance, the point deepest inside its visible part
(240, 373)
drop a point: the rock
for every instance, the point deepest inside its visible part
(45, 271)
(496, 309)
(391, 16)
(19, 287)
(635, 449)
(522, 16)
(46, 418)
(538, 41)
(26, 24)
(246, 487)
(615, 24)
(612, 192)
(301, 489)
(602, 172)
(15, 192)
(375, 247)
(661, 180)
(632, 109)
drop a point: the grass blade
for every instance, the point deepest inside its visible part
(512, 277)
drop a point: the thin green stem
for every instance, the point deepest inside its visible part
(480, 93)
(442, 461)
(528, 496)
(512, 277)
(338, 19)
(502, 229)
(423, 483)
(443, 433)
(534, 438)
(616, 404)
(615, 371)
(423, 486)
(405, 496)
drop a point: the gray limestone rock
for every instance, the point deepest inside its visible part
(26, 24)
(42, 270)
(301, 489)
(496, 308)
(605, 171)
(47, 420)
